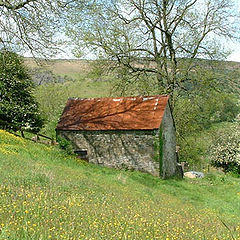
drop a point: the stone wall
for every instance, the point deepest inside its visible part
(169, 157)
(136, 150)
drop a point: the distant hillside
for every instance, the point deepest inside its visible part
(46, 194)
(61, 70)
(61, 67)
(75, 66)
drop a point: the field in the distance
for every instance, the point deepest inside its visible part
(60, 66)
(46, 194)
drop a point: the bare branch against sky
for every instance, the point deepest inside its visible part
(32, 27)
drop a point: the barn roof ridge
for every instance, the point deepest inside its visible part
(147, 97)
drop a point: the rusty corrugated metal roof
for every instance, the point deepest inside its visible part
(122, 113)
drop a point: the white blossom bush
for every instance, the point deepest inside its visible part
(225, 151)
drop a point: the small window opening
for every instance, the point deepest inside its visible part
(82, 153)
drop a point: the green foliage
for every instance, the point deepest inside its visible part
(199, 112)
(193, 149)
(227, 109)
(18, 107)
(98, 68)
(196, 114)
(65, 144)
(161, 151)
(130, 84)
(225, 152)
(52, 99)
(158, 149)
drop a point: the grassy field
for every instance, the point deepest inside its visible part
(46, 194)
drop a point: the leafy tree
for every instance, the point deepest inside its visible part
(18, 108)
(226, 149)
(52, 103)
(199, 112)
(155, 38)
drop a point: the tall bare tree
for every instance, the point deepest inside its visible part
(31, 25)
(166, 35)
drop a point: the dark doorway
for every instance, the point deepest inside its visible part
(82, 153)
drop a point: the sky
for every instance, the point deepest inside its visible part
(235, 56)
(235, 46)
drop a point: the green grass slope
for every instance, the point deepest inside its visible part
(46, 194)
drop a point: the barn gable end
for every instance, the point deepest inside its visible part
(122, 133)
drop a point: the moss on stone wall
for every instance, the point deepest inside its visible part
(158, 150)
(161, 151)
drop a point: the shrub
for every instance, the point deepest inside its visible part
(18, 108)
(193, 150)
(65, 144)
(225, 152)
(197, 113)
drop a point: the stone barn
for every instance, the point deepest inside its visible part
(135, 133)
